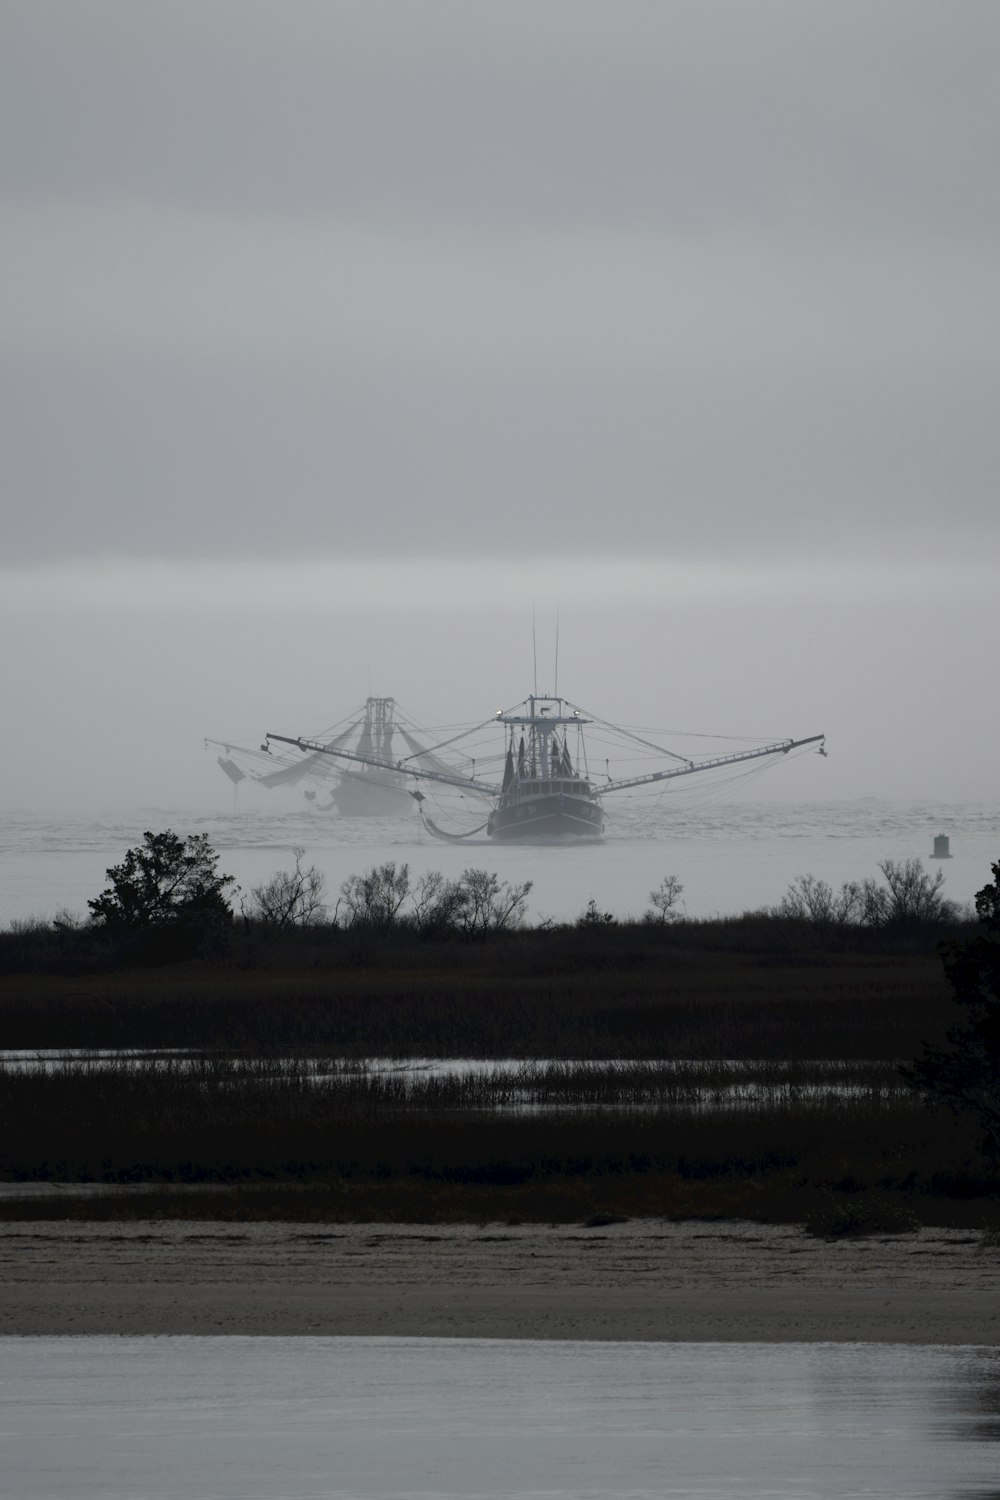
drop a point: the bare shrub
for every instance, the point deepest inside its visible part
(909, 895)
(665, 901)
(811, 900)
(291, 898)
(376, 898)
(914, 896)
(492, 904)
(437, 905)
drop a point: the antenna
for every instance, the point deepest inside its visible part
(556, 690)
(534, 646)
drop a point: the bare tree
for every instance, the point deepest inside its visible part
(291, 898)
(913, 895)
(811, 900)
(492, 904)
(664, 901)
(375, 898)
(437, 905)
(908, 894)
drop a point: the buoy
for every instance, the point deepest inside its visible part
(941, 850)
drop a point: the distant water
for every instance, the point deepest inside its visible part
(730, 857)
(384, 1419)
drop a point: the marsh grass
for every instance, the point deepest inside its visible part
(759, 988)
(612, 1141)
(737, 1068)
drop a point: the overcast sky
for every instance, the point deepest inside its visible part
(333, 336)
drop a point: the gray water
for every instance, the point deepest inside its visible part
(370, 1419)
(730, 857)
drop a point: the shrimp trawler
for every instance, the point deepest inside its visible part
(544, 795)
(369, 787)
(546, 791)
(371, 791)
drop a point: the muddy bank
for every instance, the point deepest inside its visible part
(640, 1280)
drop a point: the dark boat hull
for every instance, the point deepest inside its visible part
(555, 815)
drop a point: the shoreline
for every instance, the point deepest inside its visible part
(641, 1280)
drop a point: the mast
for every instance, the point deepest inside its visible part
(544, 718)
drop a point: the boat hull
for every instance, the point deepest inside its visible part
(539, 819)
(371, 796)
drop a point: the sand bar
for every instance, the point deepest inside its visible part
(640, 1280)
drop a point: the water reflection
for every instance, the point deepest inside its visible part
(976, 1417)
(507, 1084)
(381, 1418)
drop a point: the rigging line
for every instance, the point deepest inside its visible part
(622, 751)
(660, 749)
(692, 734)
(332, 728)
(433, 749)
(435, 728)
(245, 750)
(717, 789)
(717, 781)
(404, 718)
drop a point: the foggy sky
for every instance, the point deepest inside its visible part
(333, 336)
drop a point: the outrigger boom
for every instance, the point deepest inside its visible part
(315, 748)
(781, 747)
(545, 792)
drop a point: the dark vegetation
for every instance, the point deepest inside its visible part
(784, 1031)
(963, 1072)
(752, 986)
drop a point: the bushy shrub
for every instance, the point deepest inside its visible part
(592, 916)
(164, 881)
(964, 1073)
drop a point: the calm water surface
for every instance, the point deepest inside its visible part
(729, 857)
(378, 1418)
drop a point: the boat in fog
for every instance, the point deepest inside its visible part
(370, 786)
(546, 792)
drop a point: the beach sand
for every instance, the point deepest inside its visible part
(639, 1280)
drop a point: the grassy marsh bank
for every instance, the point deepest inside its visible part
(758, 986)
(621, 1141)
(814, 1019)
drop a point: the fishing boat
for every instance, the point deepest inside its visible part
(546, 792)
(370, 787)
(373, 791)
(544, 795)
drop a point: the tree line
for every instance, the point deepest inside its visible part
(173, 882)
(168, 900)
